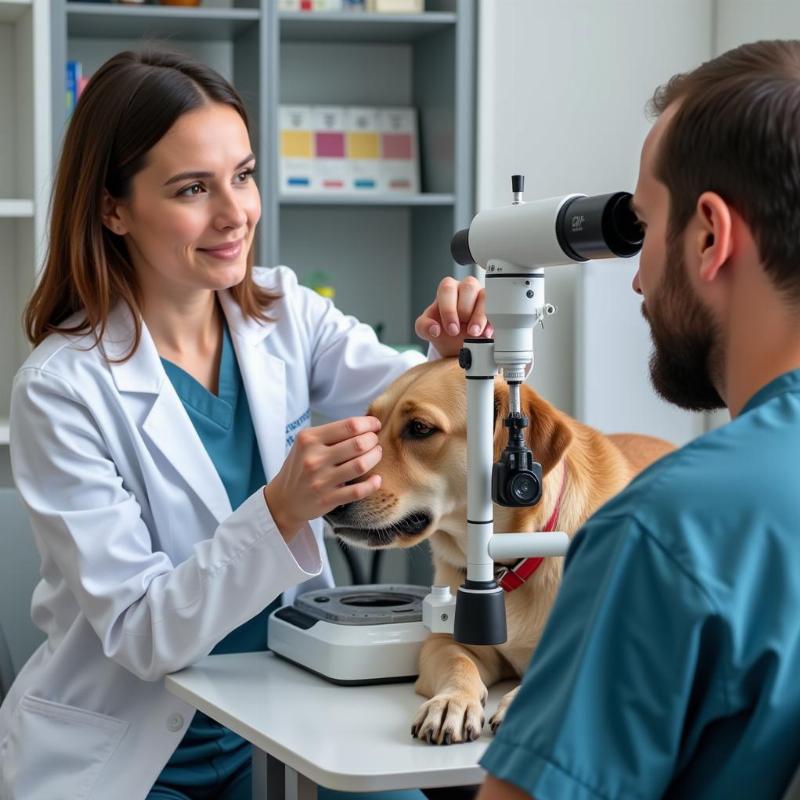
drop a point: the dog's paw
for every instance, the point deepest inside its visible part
(497, 718)
(449, 718)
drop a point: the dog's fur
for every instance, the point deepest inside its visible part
(423, 495)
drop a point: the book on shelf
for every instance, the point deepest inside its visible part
(365, 150)
(75, 84)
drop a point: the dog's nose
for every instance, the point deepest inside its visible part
(339, 510)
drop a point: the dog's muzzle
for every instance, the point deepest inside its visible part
(345, 523)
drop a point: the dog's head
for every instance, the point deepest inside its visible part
(423, 434)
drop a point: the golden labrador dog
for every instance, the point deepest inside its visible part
(423, 495)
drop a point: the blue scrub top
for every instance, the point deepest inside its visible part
(670, 665)
(209, 753)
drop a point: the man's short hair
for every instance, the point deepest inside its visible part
(737, 133)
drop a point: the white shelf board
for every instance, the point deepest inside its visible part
(101, 21)
(3, 431)
(343, 26)
(16, 209)
(12, 10)
(362, 199)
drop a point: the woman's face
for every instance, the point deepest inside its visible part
(192, 212)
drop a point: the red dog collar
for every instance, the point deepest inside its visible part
(510, 578)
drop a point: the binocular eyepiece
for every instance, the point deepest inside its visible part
(548, 232)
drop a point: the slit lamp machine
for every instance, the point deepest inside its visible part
(372, 634)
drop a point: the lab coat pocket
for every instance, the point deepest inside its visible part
(55, 750)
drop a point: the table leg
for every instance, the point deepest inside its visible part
(298, 787)
(268, 777)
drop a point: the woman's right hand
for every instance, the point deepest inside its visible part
(318, 472)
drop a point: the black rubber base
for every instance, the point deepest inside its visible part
(480, 617)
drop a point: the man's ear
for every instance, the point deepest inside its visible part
(111, 215)
(547, 435)
(714, 235)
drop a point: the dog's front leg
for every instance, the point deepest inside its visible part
(497, 718)
(455, 678)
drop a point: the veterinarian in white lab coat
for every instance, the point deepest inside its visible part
(148, 311)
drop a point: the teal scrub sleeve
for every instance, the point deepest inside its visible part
(618, 678)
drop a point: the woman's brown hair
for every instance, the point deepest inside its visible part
(126, 108)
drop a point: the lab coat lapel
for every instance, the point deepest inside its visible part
(264, 378)
(166, 425)
(170, 431)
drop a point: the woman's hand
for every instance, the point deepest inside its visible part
(318, 472)
(458, 312)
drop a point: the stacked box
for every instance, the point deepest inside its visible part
(296, 149)
(363, 149)
(329, 170)
(356, 150)
(399, 157)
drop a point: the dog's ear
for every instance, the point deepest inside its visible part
(547, 434)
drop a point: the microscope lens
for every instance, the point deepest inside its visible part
(601, 226)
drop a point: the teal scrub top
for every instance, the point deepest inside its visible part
(209, 753)
(670, 665)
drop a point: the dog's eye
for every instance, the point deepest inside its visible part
(417, 429)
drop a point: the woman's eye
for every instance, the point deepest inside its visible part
(191, 191)
(244, 176)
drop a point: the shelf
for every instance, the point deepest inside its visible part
(367, 200)
(343, 26)
(16, 209)
(12, 10)
(3, 431)
(93, 21)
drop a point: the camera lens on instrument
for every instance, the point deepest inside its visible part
(525, 487)
(599, 227)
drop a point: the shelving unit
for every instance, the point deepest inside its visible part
(24, 179)
(399, 246)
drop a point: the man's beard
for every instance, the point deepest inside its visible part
(687, 354)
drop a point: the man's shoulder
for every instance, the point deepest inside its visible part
(720, 460)
(704, 503)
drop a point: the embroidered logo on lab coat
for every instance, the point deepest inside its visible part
(293, 427)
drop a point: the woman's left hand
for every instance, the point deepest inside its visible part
(458, 312)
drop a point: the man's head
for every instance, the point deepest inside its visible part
(720, 166)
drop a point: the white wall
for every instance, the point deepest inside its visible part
(561, 98)
(740, 21)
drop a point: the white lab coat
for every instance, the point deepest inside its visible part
(144, 566)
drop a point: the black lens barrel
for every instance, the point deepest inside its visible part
(459, 248)
(599, 227)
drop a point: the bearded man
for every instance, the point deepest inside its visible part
(670, 664)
